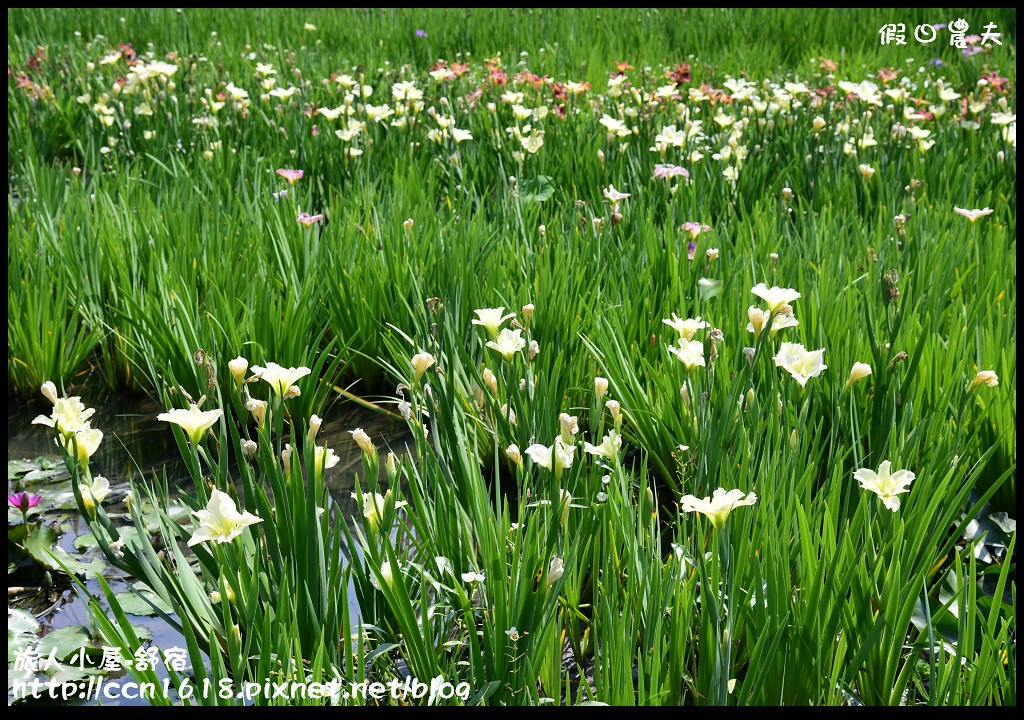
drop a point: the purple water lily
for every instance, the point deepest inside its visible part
(23, 501)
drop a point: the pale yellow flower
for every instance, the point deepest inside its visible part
(528, 308)
(799, 362)
(556, 457)
(324, 458)
(616, 411)
(775, 296)
(237, 368)
(568, 425)
(508, 343)
(280, 378)
(372, 505)
(49, 391)
(68, 416)
(759, 318)
(985, 377)
(88, 442)
(491, 319)
(194, 422)
(973, 215)
(220, 521)
(94, 491)
(859, 371)
(719, 505)
(386, 573)
(609, 447)
(886, 484)
(508, 413)
(331, 114)
(514, 455)
(258, 408)
(420, 363)
(363, 441)
(614, 196)
(689, 352)
(315, 421)
(555, 571)
(686, 328)
(491, 381)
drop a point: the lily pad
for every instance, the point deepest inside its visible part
(142, 632)
(66, 641)
(18, 683)
(22, 628)
(40, 469)
(20, 621)
(41, 544)
(60, 674)
(17, 468)
(135, 603)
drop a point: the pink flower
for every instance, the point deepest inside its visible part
(23, 501)
(308, 220)
(292, 176)
(694, 228)
(665, 171)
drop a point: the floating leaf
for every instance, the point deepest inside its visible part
(21, 622)
(41, 545)
(143, 633)
(66, 641)
(35, 470)
(18, 683)
(134, 602)
(70, 673)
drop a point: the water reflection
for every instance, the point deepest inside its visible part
(134, 441)
(136, 444)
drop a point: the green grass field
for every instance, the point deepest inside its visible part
(780, 178)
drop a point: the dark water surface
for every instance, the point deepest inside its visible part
(137, 445)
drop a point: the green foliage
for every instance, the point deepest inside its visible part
(553, 571)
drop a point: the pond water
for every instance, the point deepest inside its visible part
(135, 445)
